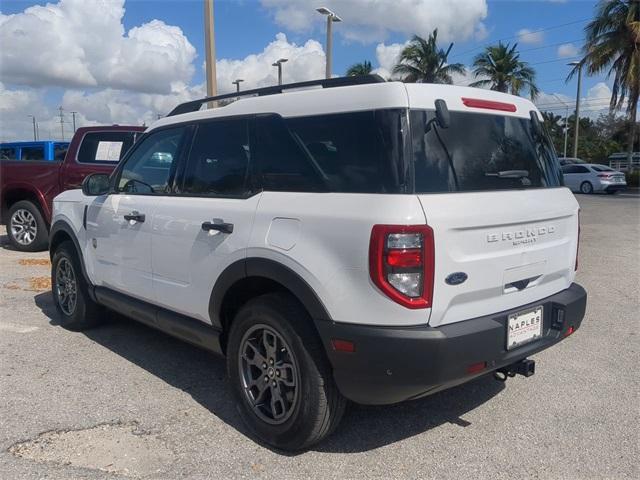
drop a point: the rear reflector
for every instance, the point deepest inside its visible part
(405, 258)
(476, 367)
(488, 104)
(569, 331)
(343, 345)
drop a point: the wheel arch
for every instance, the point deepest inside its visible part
(16, 193)
(251, 277)
(61, 231)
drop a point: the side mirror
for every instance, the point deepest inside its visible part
(442, 114)
(535, 123)
(96, 184)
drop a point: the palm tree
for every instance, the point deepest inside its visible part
(422, 61)
(357, 69)
(613, 44)
(499, 67)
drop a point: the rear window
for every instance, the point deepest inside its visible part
(480, 152)
(7, 153)
(105, 147)
(59, 151)
(602, 168)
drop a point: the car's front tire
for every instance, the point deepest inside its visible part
(586, 188)
(280, 375)
(26, 227)
(70, 291)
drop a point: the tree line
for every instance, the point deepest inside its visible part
(612, 46)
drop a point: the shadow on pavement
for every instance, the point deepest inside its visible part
(203, 376)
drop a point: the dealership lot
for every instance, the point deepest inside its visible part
(125, 401)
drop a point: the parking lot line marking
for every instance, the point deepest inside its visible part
(15, 328)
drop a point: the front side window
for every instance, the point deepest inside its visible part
(32, 153)
(151, 166)
(100, 147)
(219, 159)
(480, 152)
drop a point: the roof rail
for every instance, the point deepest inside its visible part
(194, 105)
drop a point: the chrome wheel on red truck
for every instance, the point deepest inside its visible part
(26, 229)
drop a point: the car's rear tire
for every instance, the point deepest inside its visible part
(586, 188)
(26, 228)
(280, 375)
(70, 291)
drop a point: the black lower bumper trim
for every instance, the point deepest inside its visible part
(392, 364)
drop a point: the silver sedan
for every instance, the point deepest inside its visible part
(590, 178)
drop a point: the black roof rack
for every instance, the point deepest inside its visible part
(194, 105)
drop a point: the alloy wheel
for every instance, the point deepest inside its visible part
(269, 374)
(66, 286)
(24, 228)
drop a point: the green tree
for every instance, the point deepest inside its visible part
(613, 44)
(357, 69)
(499, 67)
(422, 61)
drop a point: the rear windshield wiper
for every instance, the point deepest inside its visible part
(508, 174)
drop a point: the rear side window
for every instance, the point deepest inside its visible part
(218, 163)
(104, 147)
(480, 152)
(355, 152)
(32, 153)
(7, 153)
(59, 151)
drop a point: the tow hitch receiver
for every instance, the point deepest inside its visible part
(525, 367)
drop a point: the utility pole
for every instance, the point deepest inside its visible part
(73, 115)
(279, 65)
(566, 122)
(61, 122)
(576, 137)
(331, 17)
(35, 129)
(210, 50)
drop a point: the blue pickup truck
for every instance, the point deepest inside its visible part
(38, 150)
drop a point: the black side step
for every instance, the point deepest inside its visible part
(180, 326)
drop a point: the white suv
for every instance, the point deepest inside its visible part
(340, 239)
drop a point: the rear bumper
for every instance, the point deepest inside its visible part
(391, 364)
(614, 187)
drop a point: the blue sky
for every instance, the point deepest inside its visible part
(247, 27)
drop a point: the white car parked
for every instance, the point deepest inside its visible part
(591, 178)
(339, 239)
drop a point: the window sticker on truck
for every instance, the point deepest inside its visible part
(108, 151)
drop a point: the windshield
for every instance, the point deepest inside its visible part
(480, 152)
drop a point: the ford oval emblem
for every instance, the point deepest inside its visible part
(456, 278)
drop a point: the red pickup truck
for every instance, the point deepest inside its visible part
(27, 187)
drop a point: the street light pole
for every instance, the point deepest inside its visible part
(279, 65)
(61, 122)
(73, 115)
(210, 50)
(331, 18)
(576, 137)
(35, 134)
(236, 82)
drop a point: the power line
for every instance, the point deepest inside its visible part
(516, 36)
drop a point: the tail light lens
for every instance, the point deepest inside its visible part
(578, 243)
(401, 263)
(604, 175)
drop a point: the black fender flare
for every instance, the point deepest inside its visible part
(272, 270)
(62, 226)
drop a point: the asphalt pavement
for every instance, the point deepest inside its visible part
(124, 401)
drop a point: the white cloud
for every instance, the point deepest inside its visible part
(592, 105)
(387, 56)
(530, 37)
(368, 21)
(82, 43)
(567, 50)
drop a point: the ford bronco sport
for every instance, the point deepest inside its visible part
(341, 239)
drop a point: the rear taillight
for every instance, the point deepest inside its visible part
(401, 263)
(604, 175)
(578, 242)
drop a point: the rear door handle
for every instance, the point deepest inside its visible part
(220, 227)
(135, 216)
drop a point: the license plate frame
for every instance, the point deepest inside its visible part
(519, 333)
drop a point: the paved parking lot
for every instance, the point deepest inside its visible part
(125, 401)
